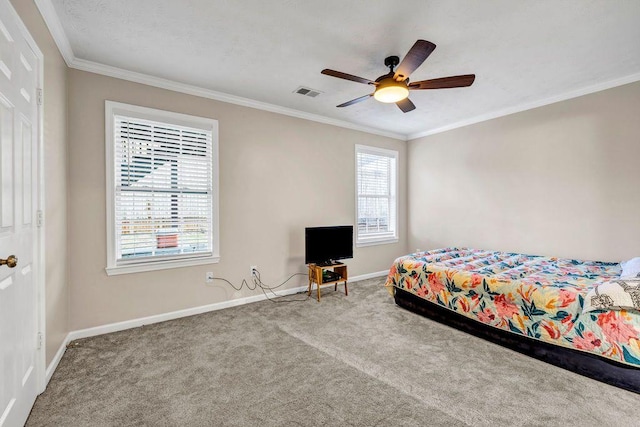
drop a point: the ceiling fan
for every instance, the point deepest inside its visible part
(395, 86)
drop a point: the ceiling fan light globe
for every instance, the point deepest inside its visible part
(391, 92)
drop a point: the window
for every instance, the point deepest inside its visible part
(162, 189)
(376, 189)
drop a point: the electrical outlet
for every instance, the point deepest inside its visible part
(208, 277)
(253, 270)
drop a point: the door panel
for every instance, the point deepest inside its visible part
(6, 165)
(18, 201)
(27, 171)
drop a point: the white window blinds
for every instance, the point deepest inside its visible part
(163, 193)
(376, 194)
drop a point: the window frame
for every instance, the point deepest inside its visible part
(115, 267)
(367, 240)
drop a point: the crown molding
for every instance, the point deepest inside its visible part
(132, 76)
(530, 105)
(54, 25)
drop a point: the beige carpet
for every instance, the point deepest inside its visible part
(358, 360)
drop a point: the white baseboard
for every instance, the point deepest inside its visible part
(56, 359)
(369, 276)
(135, 323)
(156, 318)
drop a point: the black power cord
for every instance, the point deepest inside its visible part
(264, 288)
(256, 282)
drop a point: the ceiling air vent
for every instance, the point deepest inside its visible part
(307, 91)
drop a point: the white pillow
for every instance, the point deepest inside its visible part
(631, 268)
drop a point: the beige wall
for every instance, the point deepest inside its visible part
(557, 180)
(55, 170)
(278, 174)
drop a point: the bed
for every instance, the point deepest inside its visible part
(532, 304)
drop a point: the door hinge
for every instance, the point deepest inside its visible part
(39, 340)
(39, 218)
(39, 95)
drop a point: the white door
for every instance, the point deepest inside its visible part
(18, 204)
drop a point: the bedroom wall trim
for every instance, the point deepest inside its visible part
(50, 16)
(56, 360)
(119, 73)
(368, 276)
(55, 27)
(530, 105)
(157, 318)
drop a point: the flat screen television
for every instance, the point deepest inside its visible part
(326, 244)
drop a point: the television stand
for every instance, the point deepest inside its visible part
(327, 275)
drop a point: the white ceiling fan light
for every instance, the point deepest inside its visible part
(390, 91)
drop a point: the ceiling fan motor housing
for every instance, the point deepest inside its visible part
(391, 61)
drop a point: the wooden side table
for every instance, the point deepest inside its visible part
(316, 274)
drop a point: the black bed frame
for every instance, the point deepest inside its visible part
(589, 365)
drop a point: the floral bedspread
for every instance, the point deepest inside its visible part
(535, 296)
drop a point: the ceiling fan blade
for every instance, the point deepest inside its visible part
(413, 59)
(355, 101)
(444, 82)
(346, 76)
(406, 105)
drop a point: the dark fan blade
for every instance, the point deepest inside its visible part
(346, 76)
(413, 59)
(444, 82)
(406, 105)
(355, 101)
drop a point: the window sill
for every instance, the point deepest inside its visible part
(374, 242)
(160, 265)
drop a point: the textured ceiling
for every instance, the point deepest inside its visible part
(521, 52)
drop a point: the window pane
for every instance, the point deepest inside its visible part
(163, 194)
(375, 185)
(373, 215)
(374, 174)
(153, 224)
